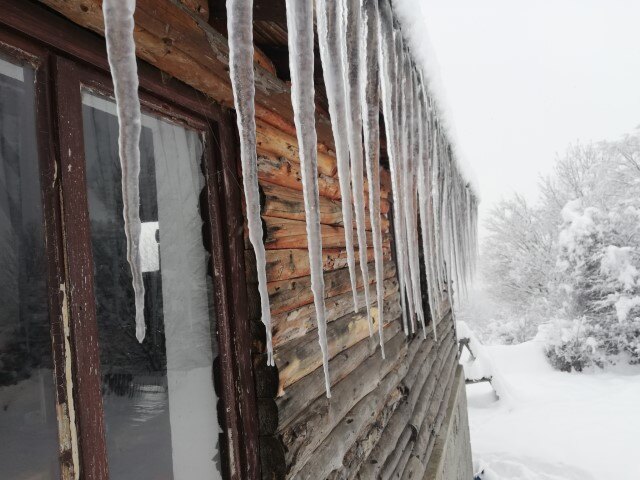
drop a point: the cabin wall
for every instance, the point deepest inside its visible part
(384, 415)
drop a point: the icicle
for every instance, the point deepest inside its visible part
(300, 33)
(351, 70)
(370, 104)
(121, 50)
(240, 27)
(410, 204)
(389, 95)
(328, 16)
(403, 155)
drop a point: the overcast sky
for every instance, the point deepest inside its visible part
(525, 79)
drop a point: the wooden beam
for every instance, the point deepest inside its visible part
(179, 42)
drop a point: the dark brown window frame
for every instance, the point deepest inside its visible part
(67, 56)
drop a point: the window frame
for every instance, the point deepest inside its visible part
(65, 58)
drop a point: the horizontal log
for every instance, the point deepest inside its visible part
(273, 141)
(299, 358)
(303, 437)
(287, 327)
(294, 262)
(281, 233)
(300, 395)
(414, 381)
(200, 7)
(179, 42)
(283, 202)
(402, 463)
(428, 430)
(372, 432)
(287, 295)
(284, 172)
(328, 456)
(390, 466)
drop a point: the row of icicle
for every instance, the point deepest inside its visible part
(367, 66)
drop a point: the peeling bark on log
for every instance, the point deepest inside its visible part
(300, 395)
(297, 359)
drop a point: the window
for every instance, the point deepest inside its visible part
(27, 402)
(78, 392)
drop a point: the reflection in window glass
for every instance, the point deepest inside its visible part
(28, 427)
(159, 399)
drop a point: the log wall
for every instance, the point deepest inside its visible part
(385, 415)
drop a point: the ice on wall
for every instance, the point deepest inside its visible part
(300, 33)
(330, 35)
(121, 51)
(240, 28)
(370, 106)
(353, 86)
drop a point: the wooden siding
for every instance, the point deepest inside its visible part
(385, 415)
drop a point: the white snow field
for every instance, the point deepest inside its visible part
(555, 425)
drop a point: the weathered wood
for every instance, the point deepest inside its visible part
(429, 356)
(288, 203)
(294, 262)
(390, 466)
(284, 172)
(272, 140)
(361, 448)
(327, 455)
(178, 41)
(291, 325)
(200, 7)
(272, 457)
(427, 431)
(288, 295)
(300, 395)
(299, 358)
(282, 233)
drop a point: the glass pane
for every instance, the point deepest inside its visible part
(159, 399)
(28, 427)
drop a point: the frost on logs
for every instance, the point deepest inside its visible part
(370, 106)
(240, 28)
(300, 34)
(121, 50)
(328, 16)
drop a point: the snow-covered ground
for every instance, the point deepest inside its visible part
(554, 425)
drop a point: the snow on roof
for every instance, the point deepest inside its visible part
(412, 17)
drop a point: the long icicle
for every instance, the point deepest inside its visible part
(370, 104)
(300, 33)
(328, 16)
(410, 205)
(403, 155)
(354, 122)
(121, 51)
(240, 27)
(388, 90)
